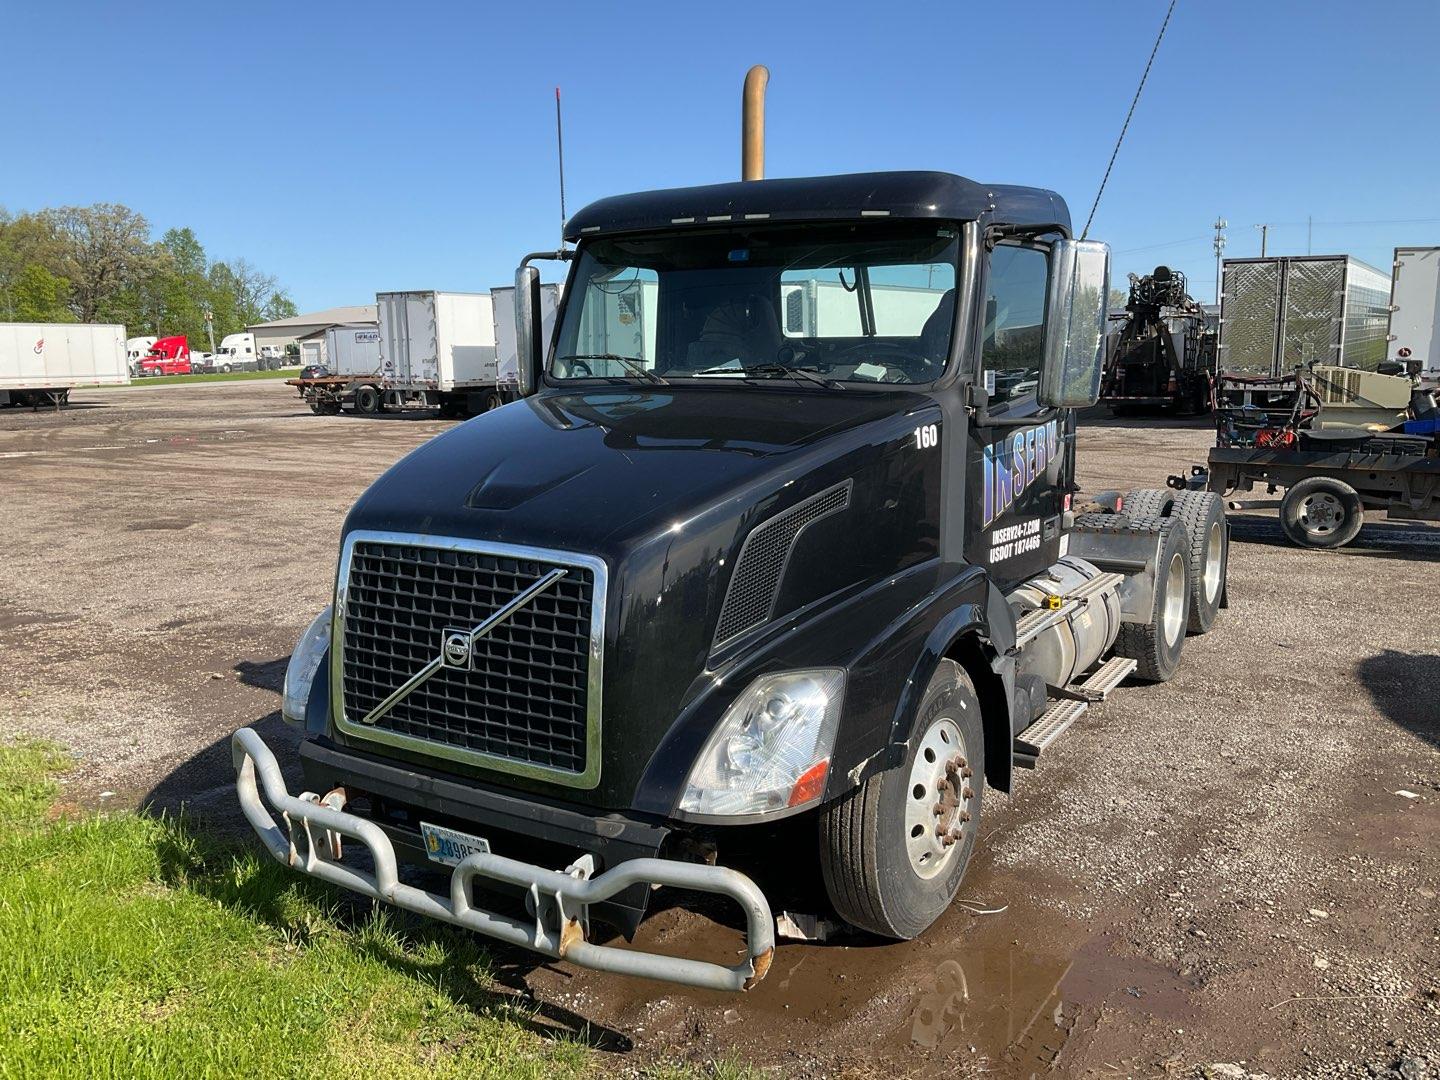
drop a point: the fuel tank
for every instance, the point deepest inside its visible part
(1062, 652)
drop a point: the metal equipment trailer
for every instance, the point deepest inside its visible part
(760, 581)
(1339, 441)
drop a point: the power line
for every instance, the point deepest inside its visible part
(1125, 127)
(1166, 244)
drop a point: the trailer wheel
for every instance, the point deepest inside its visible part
(1321, 512)
(894, 850)
(1155, 645)
(1208, 541)
(367, 401)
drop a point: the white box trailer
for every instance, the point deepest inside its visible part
(441, 341)
(507, 355)
(41, 362)
(350, 349)
(1415, 309)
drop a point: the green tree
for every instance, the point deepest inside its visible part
(37, 295)
(108, 254)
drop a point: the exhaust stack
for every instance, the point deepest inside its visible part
(752, 124)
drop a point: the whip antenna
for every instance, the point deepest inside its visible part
(1134, 101)
(560, 153)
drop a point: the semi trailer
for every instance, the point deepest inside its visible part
(738, 583)
(1414, 337)
(40, 363)
(453, 350)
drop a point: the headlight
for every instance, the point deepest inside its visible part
(304, 662)
(771, 749)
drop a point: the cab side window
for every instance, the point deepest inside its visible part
(1014, 342)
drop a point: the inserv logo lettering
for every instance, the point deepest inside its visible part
(1012, 464)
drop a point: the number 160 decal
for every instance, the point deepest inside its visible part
(926, 436)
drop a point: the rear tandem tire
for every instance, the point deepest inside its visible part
(367, 401)
(1208, 541)
(1155, 645)
(886, 869)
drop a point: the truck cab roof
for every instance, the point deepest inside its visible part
(911, 194)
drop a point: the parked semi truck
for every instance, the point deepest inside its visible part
(167, 356)
(432, 349)
(40, 363)
(834, 575)
(1162, 354)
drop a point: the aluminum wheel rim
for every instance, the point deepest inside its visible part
(937, 799)
(1214, 552)
(1172, 616)
(1321, 513)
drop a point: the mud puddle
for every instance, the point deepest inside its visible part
(1007, 994)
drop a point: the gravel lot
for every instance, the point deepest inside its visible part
(1219, 875)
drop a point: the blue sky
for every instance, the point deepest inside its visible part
(350, 148)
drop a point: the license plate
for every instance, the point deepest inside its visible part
(449, 846)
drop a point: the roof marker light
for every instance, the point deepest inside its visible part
(682, 221)
(874, 213)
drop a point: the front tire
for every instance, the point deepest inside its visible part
(895, 849)
(1322, 513)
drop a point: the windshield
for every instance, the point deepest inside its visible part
(818, 304)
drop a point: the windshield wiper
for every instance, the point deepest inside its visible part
(631, 364)
(776, 371)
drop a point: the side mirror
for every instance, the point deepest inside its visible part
(528, 336)
(1075, 324)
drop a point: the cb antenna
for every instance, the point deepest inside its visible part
(560, 152)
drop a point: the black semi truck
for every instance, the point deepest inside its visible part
(786, 530)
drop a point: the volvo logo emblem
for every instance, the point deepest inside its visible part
(455, 648)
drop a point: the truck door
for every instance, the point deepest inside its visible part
(1014, 468)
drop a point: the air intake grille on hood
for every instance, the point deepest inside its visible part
(750, 599)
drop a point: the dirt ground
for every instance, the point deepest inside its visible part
(1235, 872)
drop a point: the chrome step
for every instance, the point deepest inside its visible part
(1054, 721)
(1034, 623)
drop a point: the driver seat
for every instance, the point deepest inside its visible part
(742, 328)
(935, 334)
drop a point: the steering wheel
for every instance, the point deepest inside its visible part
(576, 373)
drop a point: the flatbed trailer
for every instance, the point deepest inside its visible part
(1324, 488)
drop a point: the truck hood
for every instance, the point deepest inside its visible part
(592, 471)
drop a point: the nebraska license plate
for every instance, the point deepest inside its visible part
(449, 846)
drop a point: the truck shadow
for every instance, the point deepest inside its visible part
(1404, 688)
(1403, 541)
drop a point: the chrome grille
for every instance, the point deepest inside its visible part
(528, 700)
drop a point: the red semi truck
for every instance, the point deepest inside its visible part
(168, 356)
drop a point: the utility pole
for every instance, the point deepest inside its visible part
(1264, 236)
(210, 329)
(1220, 224)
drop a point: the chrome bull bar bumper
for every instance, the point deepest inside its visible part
(559, 900)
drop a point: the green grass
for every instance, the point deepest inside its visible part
(132, 946)
(234, 376)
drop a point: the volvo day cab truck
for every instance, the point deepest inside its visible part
(40, 363)
(729, 565)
